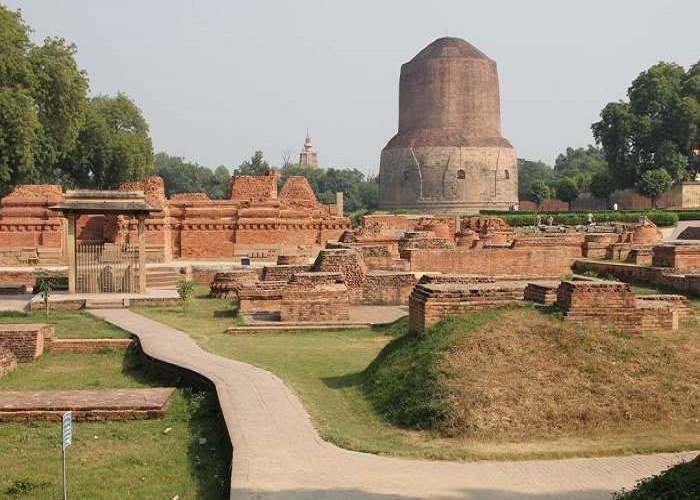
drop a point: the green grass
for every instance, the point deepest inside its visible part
(113, 460)
(116, 460)
(327, 370)
(69, 324)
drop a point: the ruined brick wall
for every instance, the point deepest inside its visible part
(542, 293)
(26, 223)
(253, 188)
(347, 262)
(316, 278)
(25, 341)
(680, 258)
(263, 296)
(8, 361)
(283, 272)
(429, 303)
(318, 303)
(387, 288)
(86, 346)
(612, 306)
(525, 260)
(226, 284)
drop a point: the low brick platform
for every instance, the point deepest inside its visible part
(25, 341)
(283, 272)
(542, 293)
(323, 302)
(429, 303)
(104, 404)
(8, 361)
(611, 305)
(225, 284)
(680, 303)
(87, 345)
(681, 258)
(265, 296)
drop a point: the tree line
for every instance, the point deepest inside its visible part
(647, 142)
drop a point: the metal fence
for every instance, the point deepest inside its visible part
(107, 268)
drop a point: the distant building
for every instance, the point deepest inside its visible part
(308, 155)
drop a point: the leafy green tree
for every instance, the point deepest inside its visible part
(658, 127)
(580, 165)
(603, 185)
(529, 172)
(114, 145)
(567, 190)
(538, 192)
(255, 166)
(654, 182)
(43, 97)
(181, 176)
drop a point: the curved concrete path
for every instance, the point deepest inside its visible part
(278, 455)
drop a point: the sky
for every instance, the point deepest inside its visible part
(219, 79)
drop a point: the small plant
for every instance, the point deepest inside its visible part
(184, 290)
(45, 287)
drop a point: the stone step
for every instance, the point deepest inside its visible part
(106, 303)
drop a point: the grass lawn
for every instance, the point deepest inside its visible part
(113, 460)
(69, 324)
(326, 369)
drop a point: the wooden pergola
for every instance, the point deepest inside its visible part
(91, 202)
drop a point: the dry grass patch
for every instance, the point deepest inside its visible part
(528, 375)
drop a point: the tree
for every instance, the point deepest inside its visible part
(580, 165)
(43, 97)
(113, 146)
(658, 127)
(529, 172)
(255, 166)
(181, 176)
(654, 182)
(538, 192)
(603, 185)
(567, 190)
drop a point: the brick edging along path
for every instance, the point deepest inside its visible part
(278, 455)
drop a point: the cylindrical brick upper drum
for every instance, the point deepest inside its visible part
(448, 155)
(450, 85)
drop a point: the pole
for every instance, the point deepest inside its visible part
(63, 453)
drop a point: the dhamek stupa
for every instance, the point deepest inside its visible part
(449, 156)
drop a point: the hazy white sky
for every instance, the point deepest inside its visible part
(217, 80)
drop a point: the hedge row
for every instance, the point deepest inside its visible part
(576, 218)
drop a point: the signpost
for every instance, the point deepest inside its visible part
(67, 432)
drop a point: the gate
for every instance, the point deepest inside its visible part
(106, 268)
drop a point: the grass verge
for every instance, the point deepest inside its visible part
(328, 371)
(69, 324)
(113, 460)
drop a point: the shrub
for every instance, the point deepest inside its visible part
(184, 290)
(680, 482)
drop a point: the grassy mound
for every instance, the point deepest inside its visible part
(519, 374)
(680, 482)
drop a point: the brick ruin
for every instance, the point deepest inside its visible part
(8, 361)
(606, 305)
(254, 221)
(25, 341)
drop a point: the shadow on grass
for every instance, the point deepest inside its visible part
(344, 381)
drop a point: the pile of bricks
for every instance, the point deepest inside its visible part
(320, 303)
(542, 293)
(225, 284)
(25, 341)
(429, 303)
(8, 361)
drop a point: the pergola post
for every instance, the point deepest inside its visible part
(142, 252)
(70, 249)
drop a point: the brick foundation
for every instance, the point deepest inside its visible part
(542, 293)
(320, 303)
(679, 258)
(224, 285)
(429, 303)
(86, 346)
(8, 361)
(265, 296)
(25, 341)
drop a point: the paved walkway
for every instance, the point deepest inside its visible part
(278, 455)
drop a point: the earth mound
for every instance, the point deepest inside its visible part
(520, 373)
